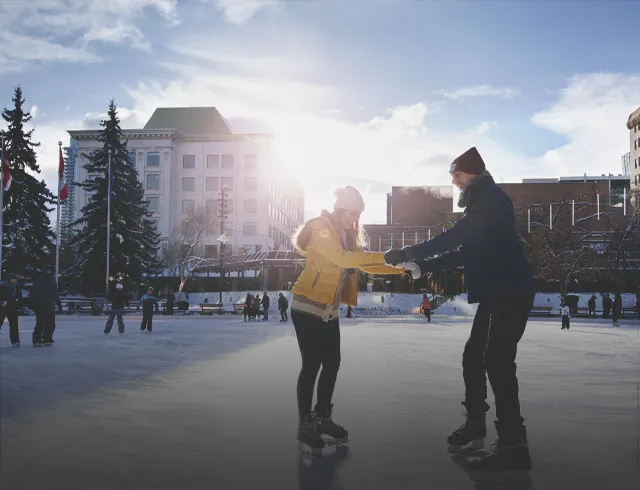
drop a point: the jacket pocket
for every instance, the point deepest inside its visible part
(315, 281)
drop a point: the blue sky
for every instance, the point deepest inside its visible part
(373, 93)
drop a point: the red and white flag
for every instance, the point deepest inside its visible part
(6, 171)
(63, 189)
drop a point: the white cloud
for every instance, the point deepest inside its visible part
(591, 112)
(61, 30)
(485, 126)
(34, 111)
(240, 11)
(479, 91)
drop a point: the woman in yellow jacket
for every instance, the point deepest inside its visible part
(333, 245)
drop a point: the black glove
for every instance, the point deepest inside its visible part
(395, 257)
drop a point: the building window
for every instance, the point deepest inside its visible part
(212, 183)
(228, 228)
(250, 162)
(227, 181)
(210, 251)
(250, 229)
(213, 161)
(250, 184)
(154, 204)
(211, 205)
(153, 159)
(270, 231)
(188, 161)
(187, 206)
(153, 181)
(229, 203)
(132, 158)
(188, 183)
(250, 206)
(227, 161)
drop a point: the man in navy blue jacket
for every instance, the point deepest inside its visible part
(500, 279)
(147, 301)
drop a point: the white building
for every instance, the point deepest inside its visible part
(184, 156)
(633, 125)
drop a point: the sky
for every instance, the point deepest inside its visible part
(369, 93)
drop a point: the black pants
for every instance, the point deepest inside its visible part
(147, 322)
(319, 344)
(12, 317)
(592, 312)
(491, 351)
(169, 308)
(427, 313)
(112, 316)
(566, 322)
(283, 315)
(45, 326)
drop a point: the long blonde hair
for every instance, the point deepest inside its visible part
(356, 236)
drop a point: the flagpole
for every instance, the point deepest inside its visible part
(1, 201)
(108, 224)
(58, 220)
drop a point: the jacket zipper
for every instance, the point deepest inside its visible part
(315, 281)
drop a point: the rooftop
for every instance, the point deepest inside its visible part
(190, 121)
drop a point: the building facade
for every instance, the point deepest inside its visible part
(633, 125)
(184, 158)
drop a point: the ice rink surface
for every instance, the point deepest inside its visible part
(209, 402)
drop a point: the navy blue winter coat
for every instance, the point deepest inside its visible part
(486, 242)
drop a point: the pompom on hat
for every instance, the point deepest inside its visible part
(349, 198)
(469, 162)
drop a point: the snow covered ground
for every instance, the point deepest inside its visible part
(209, 402)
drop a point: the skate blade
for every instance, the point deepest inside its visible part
(473, 446)
(512, 479)
(334, 441)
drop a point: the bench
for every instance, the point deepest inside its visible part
(209, 308)
(238, 308)
(541, 310)
(629, 311)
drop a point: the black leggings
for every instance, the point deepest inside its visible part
(319, 344)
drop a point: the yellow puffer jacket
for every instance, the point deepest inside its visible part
(325, 260)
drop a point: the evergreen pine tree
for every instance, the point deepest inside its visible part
(28, 237)
(134, 241)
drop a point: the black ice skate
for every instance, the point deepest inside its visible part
(326, 426)
(469, 436)
(510, 452)
(308, 433)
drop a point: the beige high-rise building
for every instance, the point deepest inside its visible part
(633, 125)
(184, 156)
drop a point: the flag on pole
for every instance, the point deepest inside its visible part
(63, 188)
(6, 171)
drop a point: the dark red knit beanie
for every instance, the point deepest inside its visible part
(470, 162)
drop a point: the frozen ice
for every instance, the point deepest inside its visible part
(209, 402)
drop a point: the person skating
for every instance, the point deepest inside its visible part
(606, 305)
(118, 302)
(265, 305)
(11, 301)
(171, 299)
(247, 306)
(616, 310)
(43, 300)
(426, 307)
(566, 317)
(283, 306)
(500, 280)
(147, 301)
(591, 304)
(333, 247)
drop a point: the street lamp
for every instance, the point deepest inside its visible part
(223, 242)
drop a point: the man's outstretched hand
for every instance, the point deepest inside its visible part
(395, 256)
